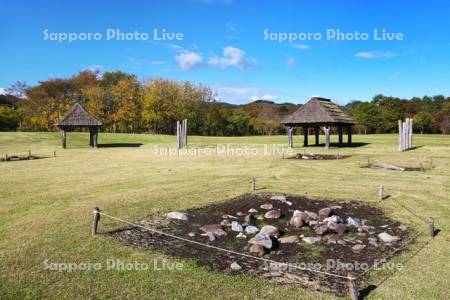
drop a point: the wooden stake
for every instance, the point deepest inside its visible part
(400, 135)
(422, 168)
(253, 184)
(431, 226)
(352, 288)
(54, 153)
(96, 219)
(29, 153)
(381, 192)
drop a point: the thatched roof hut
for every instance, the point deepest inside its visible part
(77, 117)
(320, 112)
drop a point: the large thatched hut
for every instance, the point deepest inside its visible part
(318, 112)
(78, 117)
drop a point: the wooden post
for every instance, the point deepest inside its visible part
(381, 192)
(253, 184)
(63, 137)
(6, 157)
(316, 133)
(410, 132)
(178, 135)
(400, 145)
(95, 137)
(54, 153)
(349, 135)
(185, 132)
(326, 129)
(431, 226)
(29, 153)
(352, 288)
(96, 219)
(340, 135)
(290, 141)
(305, 136)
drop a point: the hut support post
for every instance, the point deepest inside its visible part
(349, 135)
(326, 129)
(305, 136)
(94, 137)
(340, 135)
(289, 132)
(64, 138)
(316, 133)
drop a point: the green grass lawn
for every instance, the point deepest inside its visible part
(46, 210)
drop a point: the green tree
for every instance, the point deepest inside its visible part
(423, 121)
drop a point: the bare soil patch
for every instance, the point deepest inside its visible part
(359, 244)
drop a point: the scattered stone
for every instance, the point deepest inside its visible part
(289, 239)
(270, 230)
(228, 217)
(241, 236)
(249, 219)
(321, 229)
(281, 198)
(335, 207)
(311, 239)
(387, 238)
(373, 241)
(262, 240)
(296, 221)
(252, 211)
(334, 219)
(324, 213)
(337, 228)
(312, 215)
(267, 206)
(273, 214)
(235, 226)
(257, 250)
(353, 221)
(215, 229)
(225, 222)
(240, 214)
(251, 229)
(403, 227)
(333, 238)
(313, 222)
(177, 215)
(358, 248)
(191, 234)
(211, 236)
(341, 242)
(235, 266)
(260, 217)
(364, 228)
(384, 226)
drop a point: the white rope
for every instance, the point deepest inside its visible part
(226, 250)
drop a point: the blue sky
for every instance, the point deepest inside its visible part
(224, 45)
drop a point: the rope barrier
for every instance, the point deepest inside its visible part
(226, 250)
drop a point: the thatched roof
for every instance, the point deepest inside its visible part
(318, 111)
(78, 116)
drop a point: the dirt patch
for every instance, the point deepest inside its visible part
(311, 156)
(318, 256)
(19, 158)
(391, 167)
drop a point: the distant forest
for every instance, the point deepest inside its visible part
(125, 104)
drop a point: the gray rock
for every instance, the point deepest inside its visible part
(257, 250)
(321, 229)
(241, 236)
(270, 230)
(296, 221)
(353, 221)
(262, 240)
(337, 228)
(403, 227)
(249, 219)
(281, 198)
(334, 219)
(215, 229)
(177, 215)
(209, 234)
(225, 222)
(324, 212)
(387, 238)
(252, 211)
(191, 234)
(251, 229)
(235, 266)
(373, 241)
(273, 214)
(240, 213)
(229, 217)
(235, 226)
(267, 206)
(311, 239)
(289, 239)
(358, 248)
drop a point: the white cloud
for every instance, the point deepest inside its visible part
(374, 54)
(265, 97)
(235, 94)
(301, 46)
(232, 57)
(2, 91)
(188, 60)
(291, 62)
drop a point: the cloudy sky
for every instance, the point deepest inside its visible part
(239, 48)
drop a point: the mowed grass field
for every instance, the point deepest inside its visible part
(46, 210)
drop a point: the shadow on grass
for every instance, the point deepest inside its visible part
(120, 145)
(344, 145)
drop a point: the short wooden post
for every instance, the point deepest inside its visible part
(352, 288)
(253, 184)
(337, 155)
(96, 219)
(185, 132)
(6, 157)
(381, 192)
(431, 226)
(178, 135)
(29, 153)
(359, 164)
(54, 153)
(400, 136)
(422, 168)
(63, 137)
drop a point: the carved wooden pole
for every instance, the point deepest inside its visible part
(400, 135)
(326, 129)
(96, 219)
(178, 135)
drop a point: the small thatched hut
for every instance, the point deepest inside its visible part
(78, 117)
(319, 112)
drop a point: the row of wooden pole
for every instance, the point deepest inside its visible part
(405, 132)
(181, 134)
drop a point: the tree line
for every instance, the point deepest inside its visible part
(124, 104)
